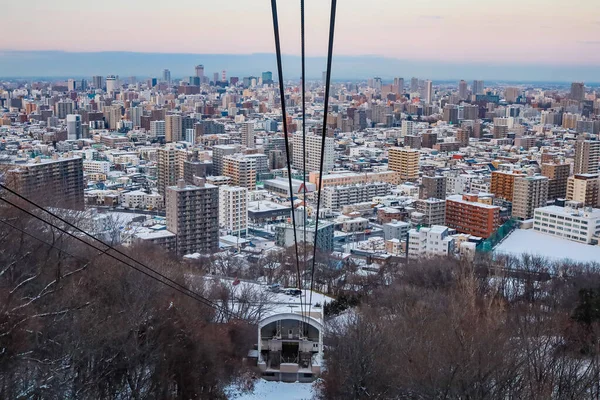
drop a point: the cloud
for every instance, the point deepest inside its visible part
(590, 42)
(431, 17)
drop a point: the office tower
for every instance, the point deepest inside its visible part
(511, 94)
(468, 214)
(166, 168)
(83, 85)
(267, 77)
(584, 189)
(503, 184)
(399, 83)
(54, 182)
(242, 170)
(166, 76)
(569, 121)
(577, 91)
(112, 84)
(215, 77)
(173, 125)
(313, 153)
(157, 129)
(324, 78)
(64, 108)
(478, 87)
(248, 134)
(451, 114)
(470, 112)
(200, 71)
(74, 130)
(462, 90)
(190, 136)
(407, 128)
(414, 85)
(377, 83)
(223, 76)
(530, 192)
(233, 209)
(112, 116)
(428, 92)
(587, 157)
(71, 85)
(433, 187)
(558, 176)
(97, 81)
(405, 161)
(135, 113)
(193, 215)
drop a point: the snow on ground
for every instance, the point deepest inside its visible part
(268, 390)
(528, 241)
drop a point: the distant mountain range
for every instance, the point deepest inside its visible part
(85, 64)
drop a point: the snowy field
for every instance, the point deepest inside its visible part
(266, 390)
(528, 241)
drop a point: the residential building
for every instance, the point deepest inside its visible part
(503, 183)
(469, 213)
(220, 151)
(530, 192)
(352, 178)
(313, 153)
(247, 134)
(157, 129)
(430, 242)
(433, 211)
(241, 169)
(233, 209)
(433, 187)
(193, 215)
(405, 161)
(335, 197)
(166, 168)
(284, 234)
(558, 176)
(587, 157)
(584, 188)
(173, 128)
(74, 129)
(396, 230)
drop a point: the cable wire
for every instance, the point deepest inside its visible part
(168, 282)
(285, 134)
(325, 113)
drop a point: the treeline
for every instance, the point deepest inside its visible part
(84, 326)
(518, 328)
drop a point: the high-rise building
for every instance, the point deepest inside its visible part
(451, 114)
(478, 87)
(135, 113)
(313, 153)
(399, 83)
(267, 77)
(433, 187)
(530, 192)
(428, 92)
(157, 128)
(64, 108)
(511, 94)
(558, 175)
(468, 214)
(219, 152)
(233, 209)
(193, 215)
(405, 161)
(503, 184)
(584, 188)
(587, 157)
(97, 81)
(166, 168)
(242, 170)
(577, 91)
(248, 134)
(433, 211)
(173, 126)
(462, 90)
(407, 128)
(74, 130)
(215, 77)
(166, 76)
(54, 182)
(200, 71)
(414, 85)
(112, 84)
(72, 85)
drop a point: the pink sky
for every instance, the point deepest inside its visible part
(502, 31)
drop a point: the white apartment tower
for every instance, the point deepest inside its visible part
(313, 153)
(233, 209)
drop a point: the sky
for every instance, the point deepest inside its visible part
(484, 31)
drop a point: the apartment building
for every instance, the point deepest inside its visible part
(558, 175)
(584, 188)
(530, 192)
(433, 187)
(233, 209)
(241, 169)
(96, 167)
(313, 153)
(396, 230)
(353, 178)
(56, 182)
(218, 152)
(570, 222)
(430, 242)
(405, 161)
(335, 197)
(193, 215)
(503, 184)
(587, 157)
(469, 214)
(433, 211)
